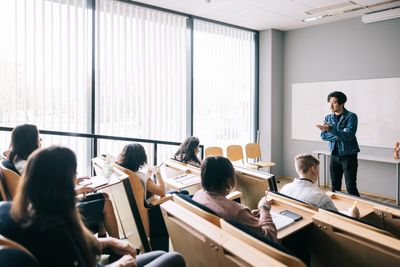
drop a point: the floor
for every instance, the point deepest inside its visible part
(285, 180)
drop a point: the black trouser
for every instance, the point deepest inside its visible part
(346, 165)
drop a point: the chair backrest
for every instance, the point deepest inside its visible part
(234, 152)
(214, 151)
(11, 181)
(252, 187)
(203, 244)
(139, 194)
(261, 243)
(357, 244)
(253, 151)
(3, 194)
(197, 208)
(13, 254)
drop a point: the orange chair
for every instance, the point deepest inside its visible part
(253, 152)
(11, 180)
(213, 151)
(235, 153)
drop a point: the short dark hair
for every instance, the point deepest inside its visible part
(132, 157)
(341, 98)
(217, 175)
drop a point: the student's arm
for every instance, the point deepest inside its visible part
(156, 188)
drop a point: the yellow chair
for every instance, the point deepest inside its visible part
(235, 153)
(11, 180)
(253, 152)
(213, 151)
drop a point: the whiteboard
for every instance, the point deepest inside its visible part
(375, 101)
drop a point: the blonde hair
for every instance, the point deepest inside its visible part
(304, 162)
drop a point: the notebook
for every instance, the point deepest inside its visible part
(95, 182)
(281, 221)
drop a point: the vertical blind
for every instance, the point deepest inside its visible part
(44, 67)
(224, 84)
(141, 73)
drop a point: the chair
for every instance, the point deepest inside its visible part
(140, 197)
(11, 180)
(214, 151)
(203, 244)
(235, 153)
(13, 254)
(3, 194)
(253, 152)
(263, 244)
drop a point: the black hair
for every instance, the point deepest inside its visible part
(217, 175)
(187, 150)
(24, 140)
(132, 157)
(341, 98)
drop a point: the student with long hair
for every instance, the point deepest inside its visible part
(96, 209)
(24, 140)
(217, 179)
(187, 152)
(43, 217)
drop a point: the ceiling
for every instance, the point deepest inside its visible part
(274, 14)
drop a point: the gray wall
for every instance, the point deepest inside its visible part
(271, 97)
(344, 50)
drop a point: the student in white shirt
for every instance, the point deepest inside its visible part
(305, 188)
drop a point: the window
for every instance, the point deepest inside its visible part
(44, 68)
(141, 78)
(224, 84)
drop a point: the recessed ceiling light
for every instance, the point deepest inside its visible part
(316, 18)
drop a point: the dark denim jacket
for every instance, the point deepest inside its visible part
(343, 132)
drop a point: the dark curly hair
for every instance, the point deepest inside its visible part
(132, 157)
(187, 150)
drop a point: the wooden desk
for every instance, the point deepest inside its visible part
(178, 176)
(382, 216)
(253, 184)
(280, 203)
(326, 154)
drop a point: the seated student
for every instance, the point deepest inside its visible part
(24, 140)
(305, 188)
(133, 157)
(57, 236)
(187, 152)
(96, 209)
(217, 178)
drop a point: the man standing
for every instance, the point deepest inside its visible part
(339, 130)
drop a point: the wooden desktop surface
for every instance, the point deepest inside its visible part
(279, 204)
(342, 202)
(179, 176)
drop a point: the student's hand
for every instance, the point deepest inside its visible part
(264, 202)
(354, 212)
(81, 179)
(125, 261)
(84, 189)
(121, 247)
